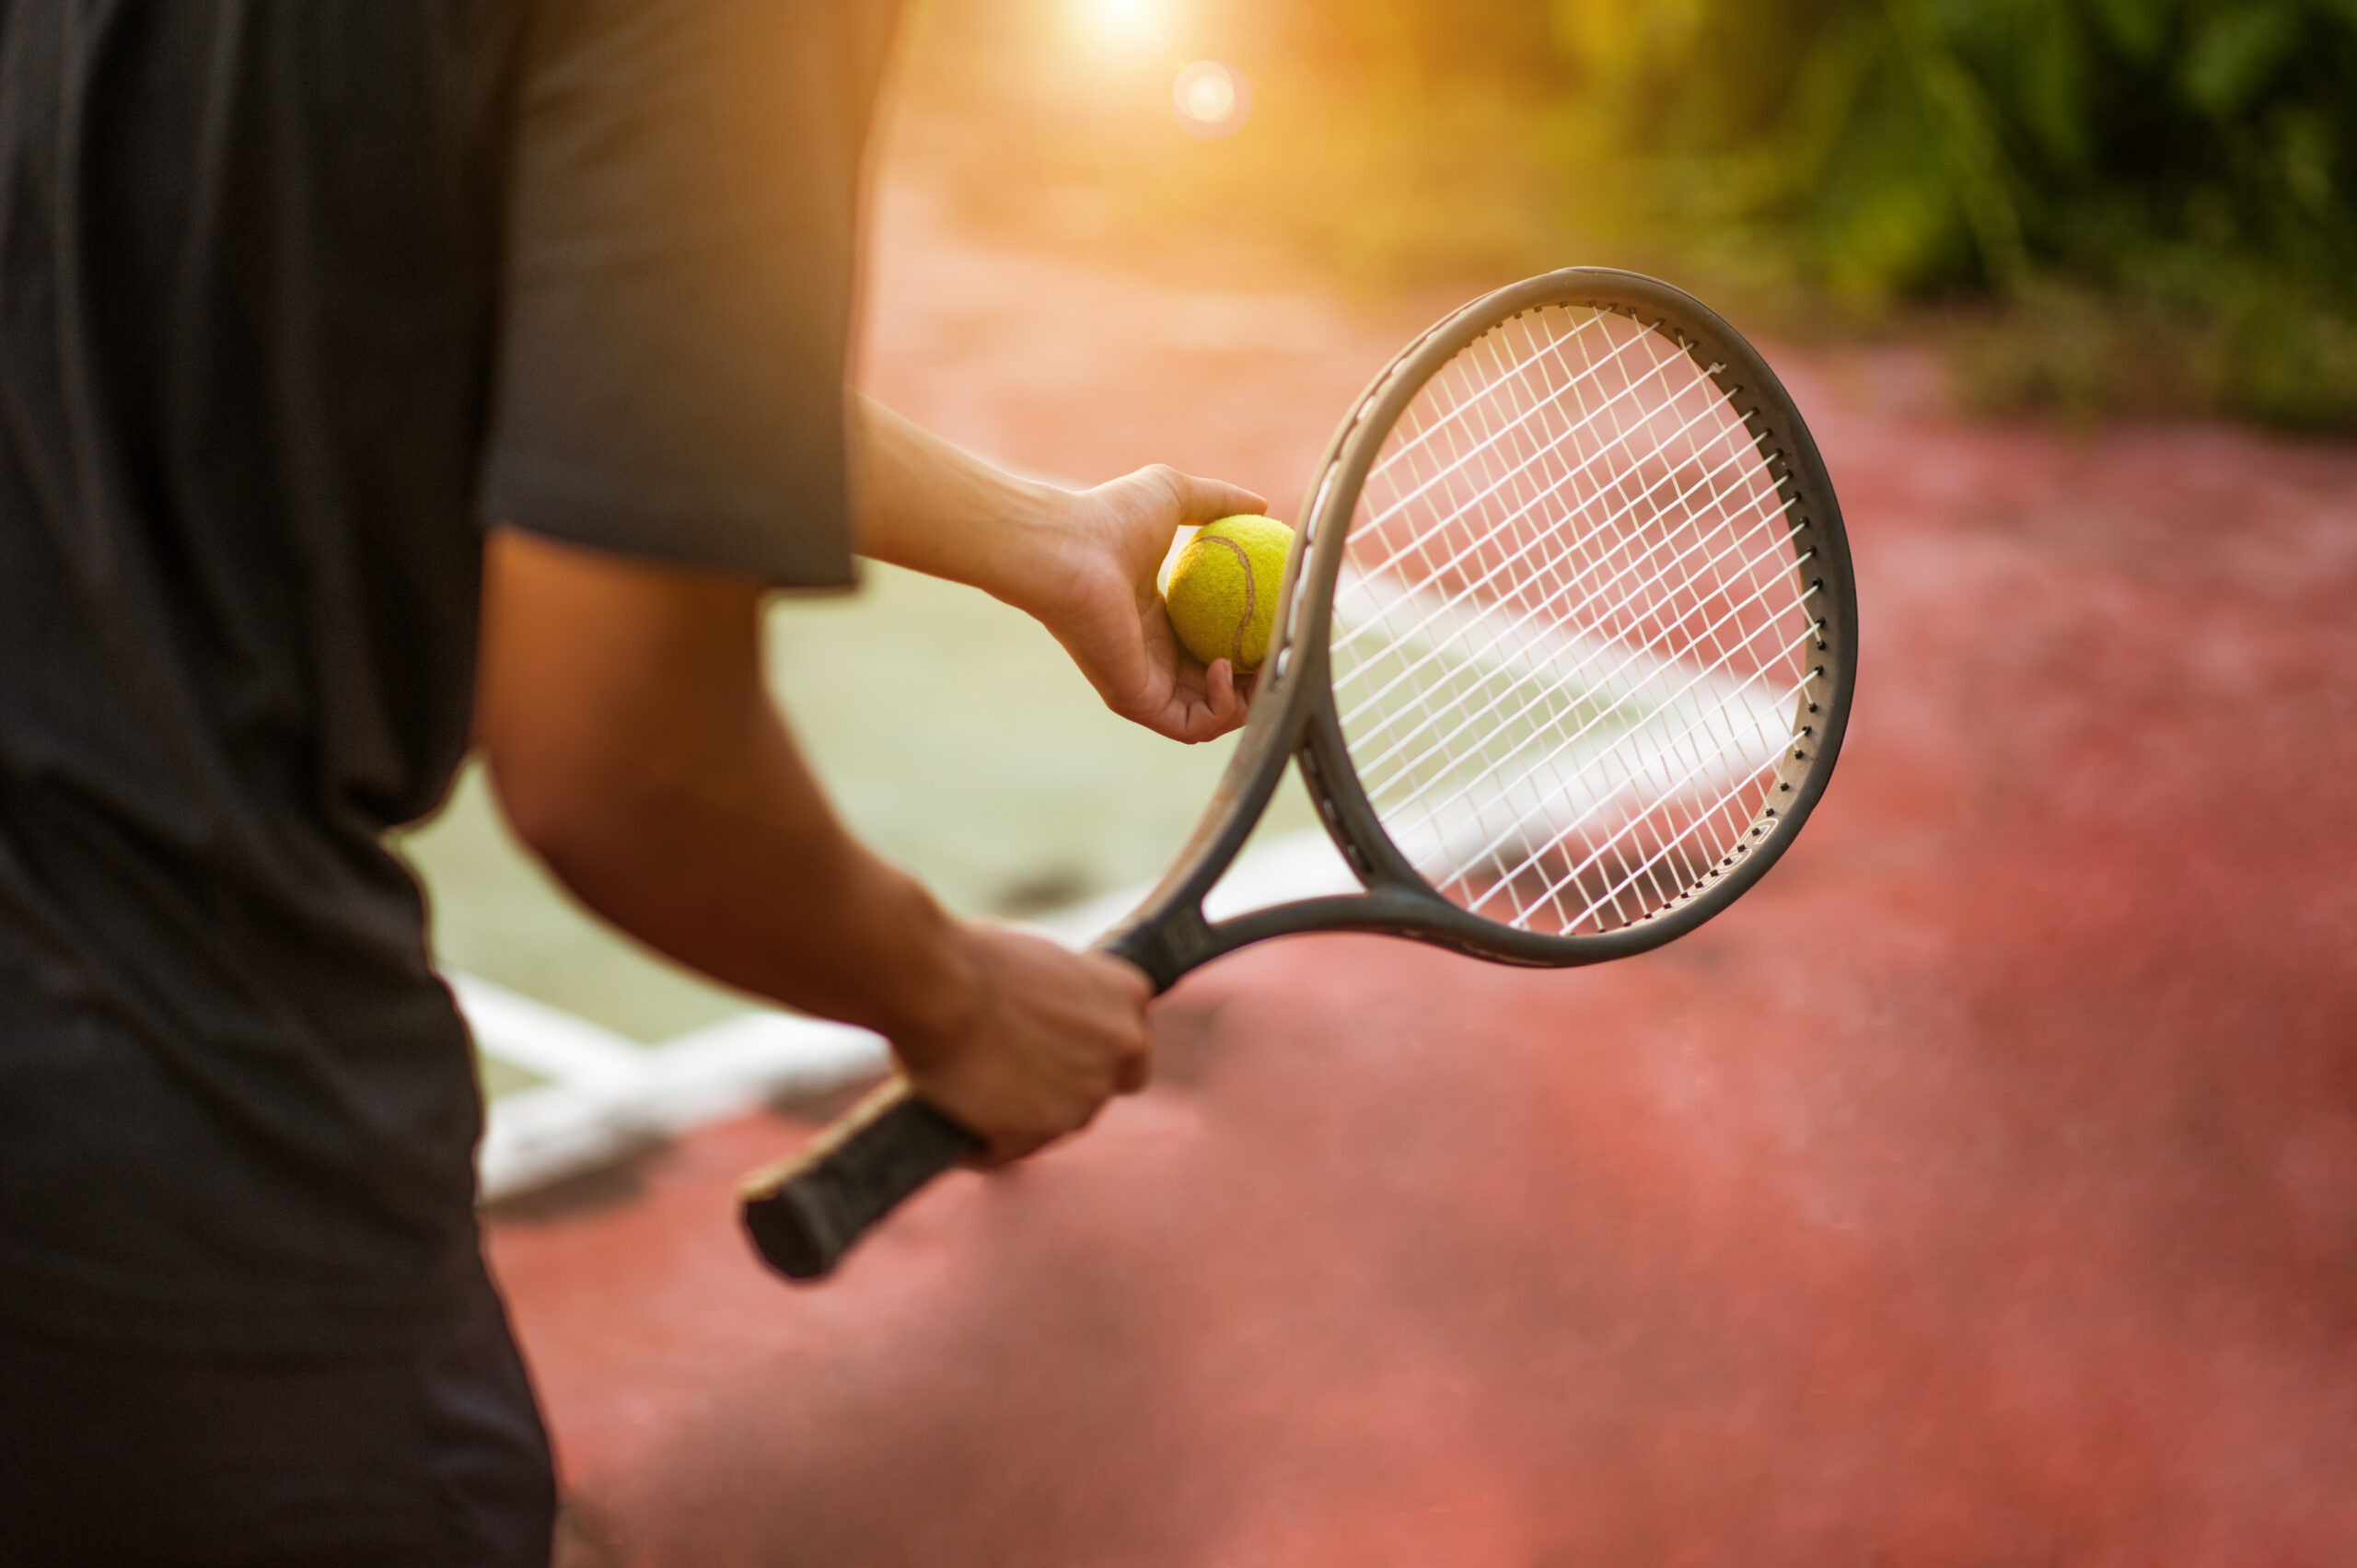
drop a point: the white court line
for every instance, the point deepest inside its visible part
(542, 1040)
(608, 1100)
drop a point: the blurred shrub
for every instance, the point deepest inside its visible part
(2157, 189)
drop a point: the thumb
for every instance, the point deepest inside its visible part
(1204, 501)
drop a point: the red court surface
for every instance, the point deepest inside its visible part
(1982, 1190)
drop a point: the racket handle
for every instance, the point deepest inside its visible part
(805, 1212)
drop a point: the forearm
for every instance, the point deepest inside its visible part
(1083, 562)
(641, 757)
(934, 508)
(756, 885)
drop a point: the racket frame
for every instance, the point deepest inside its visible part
(1294, 719)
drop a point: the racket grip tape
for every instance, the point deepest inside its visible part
(805, 1212)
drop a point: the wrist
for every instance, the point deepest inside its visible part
(928, 506)
(936, 998)
(1036, 560)
(883, 954)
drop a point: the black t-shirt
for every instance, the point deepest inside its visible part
(294, 295)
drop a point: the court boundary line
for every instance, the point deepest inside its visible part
(609, 1099)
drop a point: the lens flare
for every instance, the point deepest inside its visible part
(1212, 98)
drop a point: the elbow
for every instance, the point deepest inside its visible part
(573, 819)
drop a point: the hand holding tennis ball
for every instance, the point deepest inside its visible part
(1222, 591)
(1090, 566)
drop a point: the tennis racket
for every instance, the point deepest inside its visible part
(1564, 653)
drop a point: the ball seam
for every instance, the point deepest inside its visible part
(1236, 647)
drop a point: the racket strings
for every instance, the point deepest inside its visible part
(1534, 539)
(1693, 731)
(1571, 641)
(1678, 846)
(1439, 654)
(1503, 631)
(1459, 460)
(1613, 410)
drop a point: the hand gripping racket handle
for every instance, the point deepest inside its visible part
(805, 1212)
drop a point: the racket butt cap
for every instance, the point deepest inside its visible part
(805, 1212)
(792, 1236)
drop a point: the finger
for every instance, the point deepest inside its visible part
(1004, 1152)
(1135, 1070)
(1219, 690)
(1212, 713)
(1208, 500)
(1126, 975)
(1185, 718)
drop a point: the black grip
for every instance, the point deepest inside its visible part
(805, 1212)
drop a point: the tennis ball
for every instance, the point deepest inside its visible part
(1222, 592)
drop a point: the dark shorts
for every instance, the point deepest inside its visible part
(431, 1456)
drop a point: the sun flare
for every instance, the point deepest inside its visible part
(1123, 23)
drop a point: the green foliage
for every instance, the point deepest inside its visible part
(2185, 165)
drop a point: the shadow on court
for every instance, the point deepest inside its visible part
(1981, 1190)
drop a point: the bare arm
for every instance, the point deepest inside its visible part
(1083, 562)
(621, 709)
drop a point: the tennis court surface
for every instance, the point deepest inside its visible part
(1981, 1190)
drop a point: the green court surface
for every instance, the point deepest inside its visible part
(953, 735)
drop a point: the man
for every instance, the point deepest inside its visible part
(294, 295)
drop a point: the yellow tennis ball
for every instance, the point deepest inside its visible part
(1222, 591)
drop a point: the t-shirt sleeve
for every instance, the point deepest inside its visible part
(682, 229)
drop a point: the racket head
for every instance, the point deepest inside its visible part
(1567, 642)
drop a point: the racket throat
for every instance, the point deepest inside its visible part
(1165, 943)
